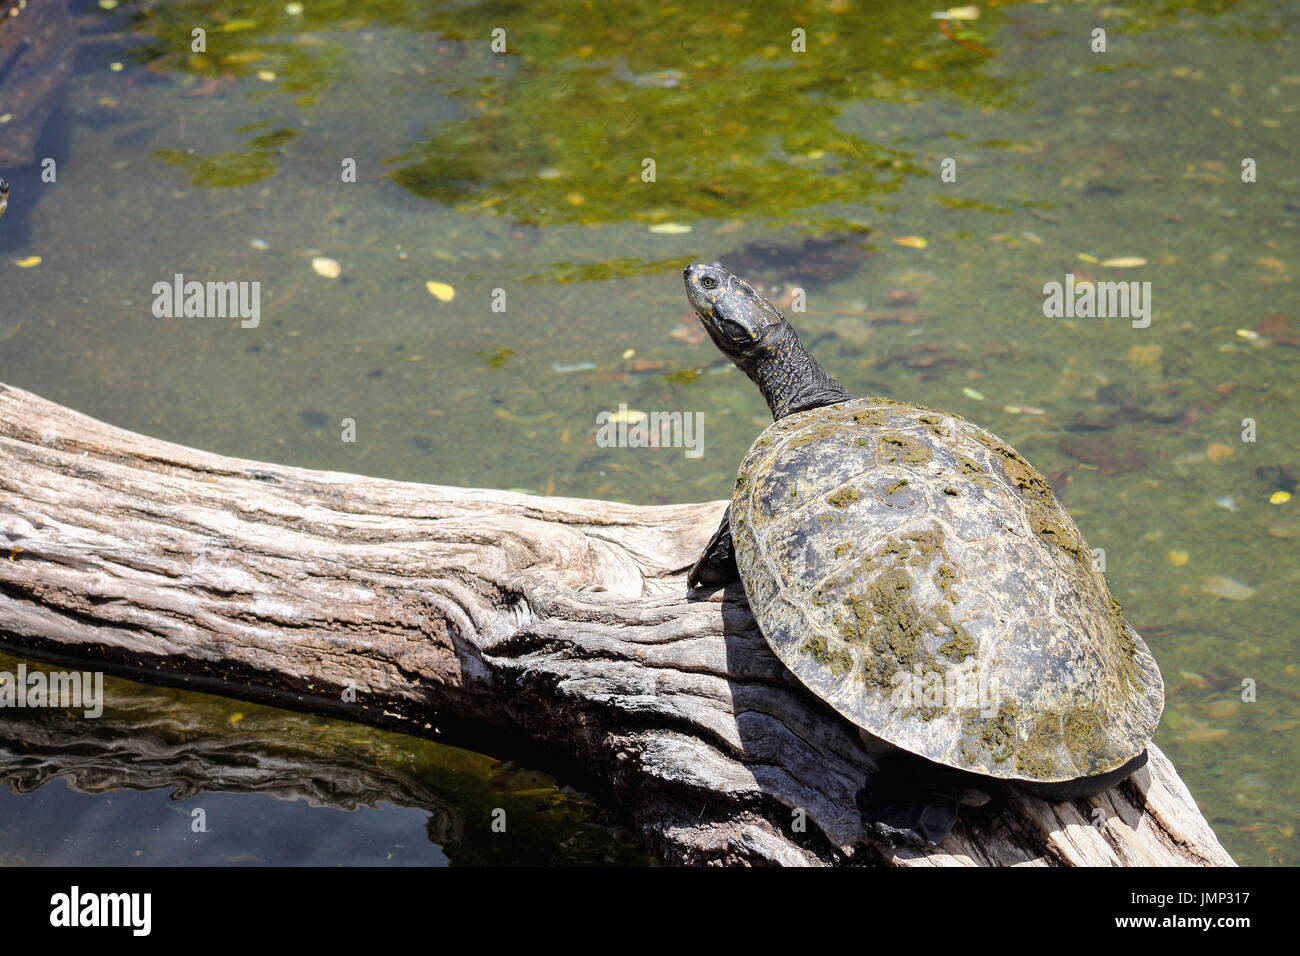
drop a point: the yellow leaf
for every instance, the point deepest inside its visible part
(1279, 497)
(327, 267)
(28, 262)
(1144, 356)
(912, 242)
(630, 416)
(234, 718)
(971, 12)
(1087, 258)
(440, 291)
(1177, 558)
(1217, 451)
(1124, 262)
(669, 228)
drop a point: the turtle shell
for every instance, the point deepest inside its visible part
(920, 576)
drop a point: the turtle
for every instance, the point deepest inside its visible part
(920, 577)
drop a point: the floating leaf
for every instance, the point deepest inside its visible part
(912, 242)
(669, 228)
(971, 393)
(957, 13)
(1124, 262)
(684, 377)
(1144, 356)
(440, 291)
(1198, 733)
(28, 262)
(1217, 451)
(1228, 588)
(327, 267)
(497, 357)
(1222, 708)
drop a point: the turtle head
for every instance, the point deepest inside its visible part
(737, 318)
(757, 338)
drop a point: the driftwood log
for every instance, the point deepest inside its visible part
(562, 620)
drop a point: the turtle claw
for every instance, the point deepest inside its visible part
(916, 825)
(917, 831)
(910, 801)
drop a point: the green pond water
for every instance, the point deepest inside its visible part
(522, 171)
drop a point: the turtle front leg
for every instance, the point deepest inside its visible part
(909, 801)
(716, 566)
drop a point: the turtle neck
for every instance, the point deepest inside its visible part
(790, 379)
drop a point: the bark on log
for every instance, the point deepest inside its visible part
(566, 620)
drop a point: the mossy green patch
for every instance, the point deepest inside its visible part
(839, 662)
(843, 497)
(961, 645)
(1045, 513)
(895, 487)
(935, 424)
(903, 449)
(872, 418)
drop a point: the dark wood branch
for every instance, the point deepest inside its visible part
(565, 620)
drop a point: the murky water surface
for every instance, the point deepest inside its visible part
(523, 172)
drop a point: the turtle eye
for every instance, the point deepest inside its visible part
(709, 282)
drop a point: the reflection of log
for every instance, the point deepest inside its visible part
(561, 619)
(150, 738)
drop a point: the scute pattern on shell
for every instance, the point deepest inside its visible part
(878, 539)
